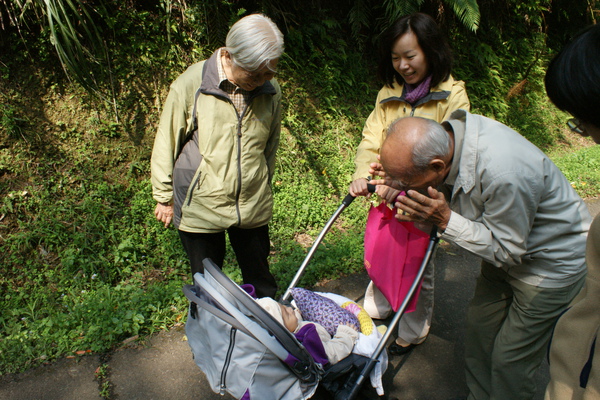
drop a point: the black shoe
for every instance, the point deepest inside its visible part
(396, 350)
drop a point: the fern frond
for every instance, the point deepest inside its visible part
(395, 9)
(467, 12)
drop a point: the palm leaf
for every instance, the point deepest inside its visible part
(75, 38)
(359, 16)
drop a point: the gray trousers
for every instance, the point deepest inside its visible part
(509, 324)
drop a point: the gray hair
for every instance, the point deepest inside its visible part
(435, 143)
(254, 41)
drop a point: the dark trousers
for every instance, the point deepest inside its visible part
(251, 247)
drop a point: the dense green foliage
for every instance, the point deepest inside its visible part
(83, 263)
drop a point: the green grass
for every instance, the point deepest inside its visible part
(582, 169)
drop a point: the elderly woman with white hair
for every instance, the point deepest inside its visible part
(214, 152)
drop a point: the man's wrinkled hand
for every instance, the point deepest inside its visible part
(417, 207)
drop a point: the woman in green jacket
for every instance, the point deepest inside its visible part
(218, 179)
(415, 65)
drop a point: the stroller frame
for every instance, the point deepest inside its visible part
(284, 344)
(352, 392)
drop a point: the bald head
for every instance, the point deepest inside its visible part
(416, 147)
(397, 149)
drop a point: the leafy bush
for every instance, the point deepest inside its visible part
(43, 324)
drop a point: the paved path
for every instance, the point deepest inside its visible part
(161, 368)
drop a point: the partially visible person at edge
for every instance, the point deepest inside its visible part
(573, 84)
(415, 66)
(511, 206)
(222, 178)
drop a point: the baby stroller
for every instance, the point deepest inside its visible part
(247, 353)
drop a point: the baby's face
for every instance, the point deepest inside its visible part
(290, 319)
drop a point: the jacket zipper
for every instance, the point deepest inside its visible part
(239, 188)
(222, 385)
(197, 180)
(239, 158)
(193, 188)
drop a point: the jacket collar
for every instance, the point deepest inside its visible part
(466, 138)
(439, 92)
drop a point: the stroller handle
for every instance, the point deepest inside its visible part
(345, 203)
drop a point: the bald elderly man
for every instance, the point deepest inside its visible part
(493, 193)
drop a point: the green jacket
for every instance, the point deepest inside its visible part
(390, 105)
(235, 153)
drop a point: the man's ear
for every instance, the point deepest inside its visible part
(437, 165)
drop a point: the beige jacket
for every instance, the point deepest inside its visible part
(390, 105)
(574, 351)
(337, 347)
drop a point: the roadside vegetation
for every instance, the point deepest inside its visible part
(83, 263)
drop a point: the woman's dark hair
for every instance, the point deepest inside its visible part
(432, 42)
(573, 77)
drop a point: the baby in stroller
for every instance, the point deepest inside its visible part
(335, 348)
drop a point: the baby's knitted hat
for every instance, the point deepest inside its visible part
(272, 307)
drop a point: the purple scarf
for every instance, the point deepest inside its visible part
(416, 93)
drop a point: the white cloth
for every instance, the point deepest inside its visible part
(272, 307)
(365, 346)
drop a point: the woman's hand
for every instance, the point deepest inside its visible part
(376, 170)
(164, 213)
(359, 188)
(387, 193)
